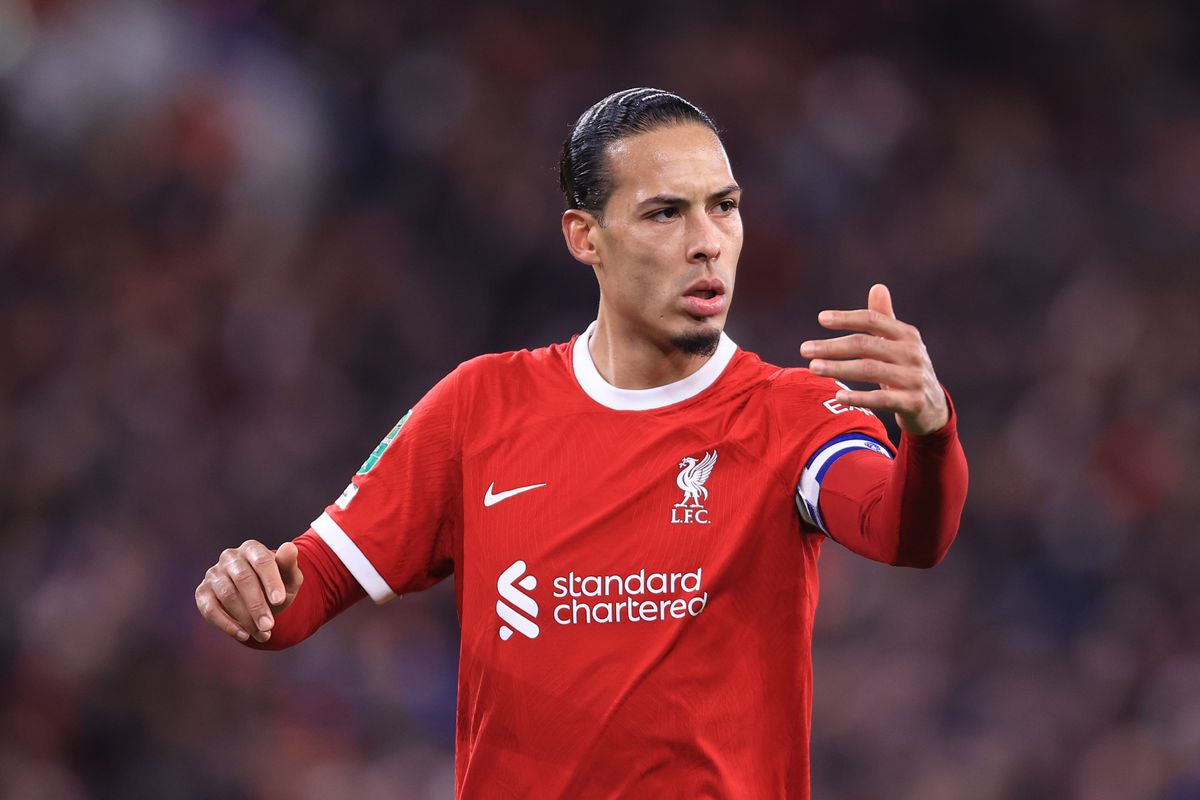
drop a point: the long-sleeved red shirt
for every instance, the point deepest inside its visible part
(903, 512)
(635, 570)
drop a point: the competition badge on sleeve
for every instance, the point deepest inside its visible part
(372, 460)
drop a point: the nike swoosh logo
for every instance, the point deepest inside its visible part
(490, 499)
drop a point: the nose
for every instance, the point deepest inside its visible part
(704, 240)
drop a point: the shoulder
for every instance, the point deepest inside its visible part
(795, 395)
(513, 364)
(801, 382)
(785, 384)
(488, 388)
(516, 376)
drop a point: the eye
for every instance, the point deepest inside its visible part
(664, 214)
(727, 205)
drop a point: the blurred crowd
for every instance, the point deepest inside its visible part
(238, 239)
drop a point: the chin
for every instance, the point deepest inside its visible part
(698, 340)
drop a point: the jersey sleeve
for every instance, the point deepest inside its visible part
(395, 525)
(815, 431)
(328, 590)
(904, 512)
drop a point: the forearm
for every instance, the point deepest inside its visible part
(904, 511)
(328, 590)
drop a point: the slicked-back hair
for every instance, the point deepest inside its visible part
(583, 171)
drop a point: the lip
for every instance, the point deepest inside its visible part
(701, 306)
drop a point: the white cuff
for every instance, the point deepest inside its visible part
(362, 569)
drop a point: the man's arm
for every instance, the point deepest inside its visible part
(392, 531)
(246, 593)
(903, 511)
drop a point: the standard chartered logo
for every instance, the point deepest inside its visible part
(517, 598)
(642, 596)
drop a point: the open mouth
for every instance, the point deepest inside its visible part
(705, 298)
(706, 288)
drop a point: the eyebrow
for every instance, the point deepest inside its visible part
(672, 200)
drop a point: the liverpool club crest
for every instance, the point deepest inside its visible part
(693, 474)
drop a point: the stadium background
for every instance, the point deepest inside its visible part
(239, 239)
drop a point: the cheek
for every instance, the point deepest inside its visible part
(733, 233)
(645, 269)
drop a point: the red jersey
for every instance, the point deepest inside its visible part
(635, 570)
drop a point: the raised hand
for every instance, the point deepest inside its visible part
(887, 352)
(243, 591)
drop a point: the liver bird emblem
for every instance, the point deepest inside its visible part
(693, 475)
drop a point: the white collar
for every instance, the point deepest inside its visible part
(604, 393)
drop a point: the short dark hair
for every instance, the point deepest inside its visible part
(583, 172)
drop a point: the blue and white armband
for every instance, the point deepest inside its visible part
(808, 491)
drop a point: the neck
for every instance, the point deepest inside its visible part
(628, 360)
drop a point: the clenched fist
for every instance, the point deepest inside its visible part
(243, 591)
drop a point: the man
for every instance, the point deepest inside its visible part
(632, 518)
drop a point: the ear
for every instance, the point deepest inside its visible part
(579, 229)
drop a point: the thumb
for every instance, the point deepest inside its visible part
(287, 558)
(880, 299)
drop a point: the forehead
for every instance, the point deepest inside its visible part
(680, 160)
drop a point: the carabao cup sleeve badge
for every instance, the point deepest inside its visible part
(378, 452)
